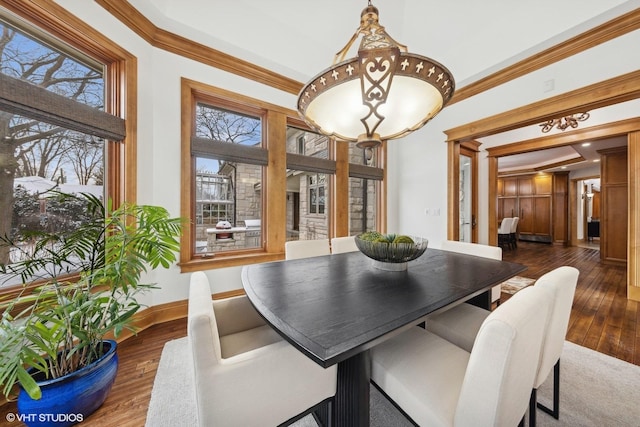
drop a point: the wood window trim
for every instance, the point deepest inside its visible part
(120, 82)
(193, 92)
(277, 119)
(120, 90)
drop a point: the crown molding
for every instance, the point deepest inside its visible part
(162, 39)
(174, 43)
(584, 41)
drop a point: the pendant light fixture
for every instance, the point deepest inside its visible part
(383, 93)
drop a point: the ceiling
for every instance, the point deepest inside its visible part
(472, 39)
(299, 38)
(569, 158)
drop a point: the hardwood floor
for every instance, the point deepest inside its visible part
(128, 401)
(602, 319)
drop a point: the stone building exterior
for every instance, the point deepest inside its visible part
(307, 208)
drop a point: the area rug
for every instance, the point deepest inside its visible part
(595, 390)
(515, 284)
(173, 394)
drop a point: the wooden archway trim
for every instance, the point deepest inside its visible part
(609, 92)
(613, 91)
(607, 130)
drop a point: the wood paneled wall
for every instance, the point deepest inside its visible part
(560, 210)
(614, 205)
(541, 203)
(633, 270)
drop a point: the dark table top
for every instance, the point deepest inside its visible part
(334, 307)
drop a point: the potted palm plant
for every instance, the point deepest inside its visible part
(87, 284)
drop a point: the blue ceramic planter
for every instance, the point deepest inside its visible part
(71, 399)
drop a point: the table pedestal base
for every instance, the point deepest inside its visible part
(351, 404)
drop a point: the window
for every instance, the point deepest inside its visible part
(256, 176)
(228, 196)
(364, 186)
(317, 182)
(215, 198)
(309, 171)
(57, 126)
(362, 205)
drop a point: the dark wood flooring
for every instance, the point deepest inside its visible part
(602, 319)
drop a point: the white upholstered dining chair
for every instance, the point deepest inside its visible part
(340, 245)
(562, 283)
(461, 324)
(485, 251)
(296, 249)
(437, 383)
(245, 373)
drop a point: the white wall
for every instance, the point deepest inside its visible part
(417, 164)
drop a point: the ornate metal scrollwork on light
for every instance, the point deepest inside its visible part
(565, 122)
(383, 93)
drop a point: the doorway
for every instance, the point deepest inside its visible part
(463, 198)
(583, 99)
(586, 218)
(468, 195)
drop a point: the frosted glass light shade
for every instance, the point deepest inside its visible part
(383, 93)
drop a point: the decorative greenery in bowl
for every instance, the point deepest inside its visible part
(388, 249)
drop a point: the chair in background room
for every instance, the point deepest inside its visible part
(296, 249)
(513, 235)
(461, 324)
(341, 245)
(245, 373)
(485, 251)
(437, 383)
(504, 233)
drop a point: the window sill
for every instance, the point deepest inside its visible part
(225, 260)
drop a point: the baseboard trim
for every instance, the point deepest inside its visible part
(158, 314)
(167, 312)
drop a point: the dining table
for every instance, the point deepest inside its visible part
(334, 308)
